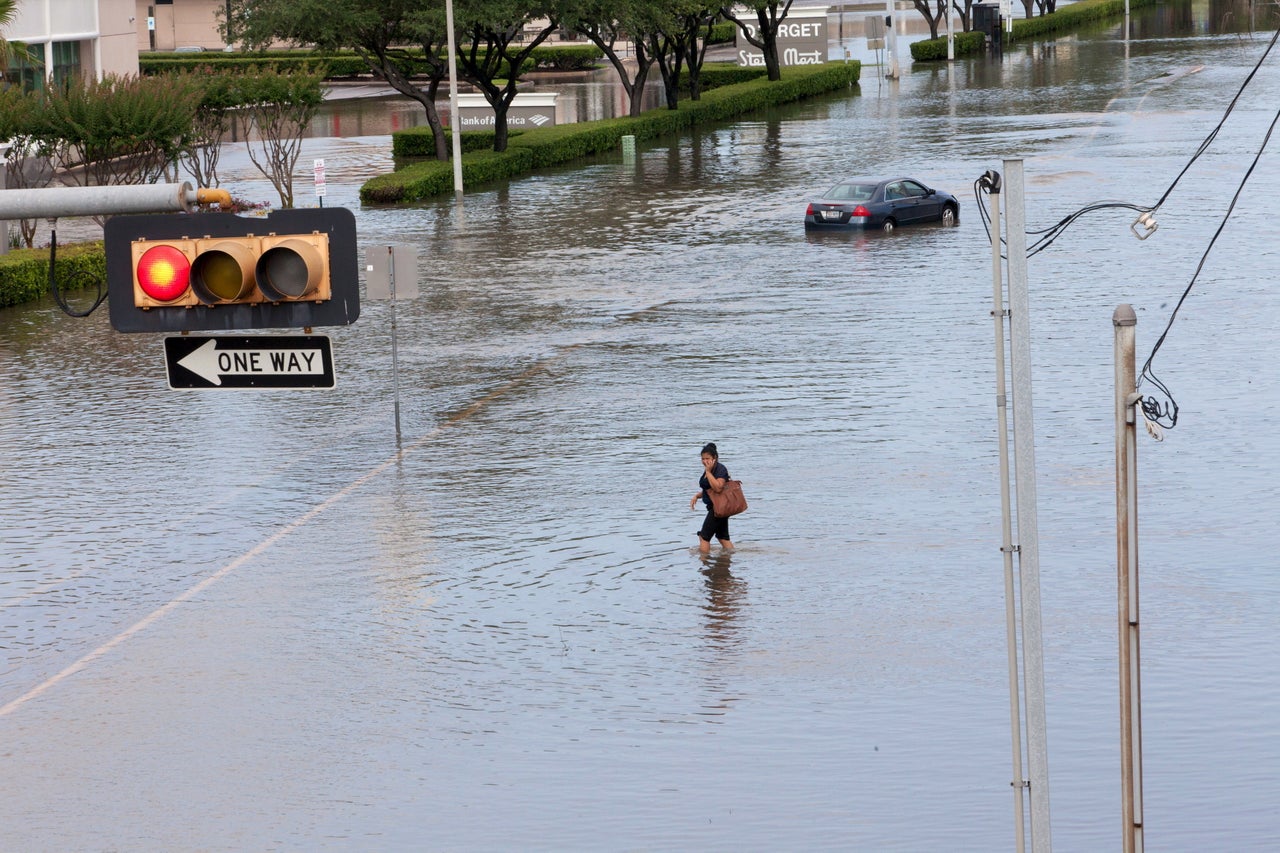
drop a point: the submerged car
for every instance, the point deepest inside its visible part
(882, 204)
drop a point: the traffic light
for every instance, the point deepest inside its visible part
(219, 271)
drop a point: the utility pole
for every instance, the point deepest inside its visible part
(1028, 544)
(991, 180)
(1024, 455)
(1125, 322)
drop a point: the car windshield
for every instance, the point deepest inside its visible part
(852, 192)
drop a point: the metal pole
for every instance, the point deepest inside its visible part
(1125, 322)
(951, 39)
(1024, 456)
(56, 202)
(1006, 523)
(455, 123)
(891, 25)
(395, 357)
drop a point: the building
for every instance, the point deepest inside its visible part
(68, 37)
(100, 37)
(180, 24)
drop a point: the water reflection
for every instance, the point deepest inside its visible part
(725, 598)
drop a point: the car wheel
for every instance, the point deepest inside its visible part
(948, 216)
(888, 226)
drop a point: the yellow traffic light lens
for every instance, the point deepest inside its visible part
(222, 272)
(163, 273)
(221, 275)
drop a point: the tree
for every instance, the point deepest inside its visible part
(764, 32)
(8, 13)
(676, 40)
(607, 22)
(278, 108)
(932, 15)
(118, 130)
(201, 147)
(698, 20)
(492, 49)
(380, 31)
(28, 163)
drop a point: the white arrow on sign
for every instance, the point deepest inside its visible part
(211, 364)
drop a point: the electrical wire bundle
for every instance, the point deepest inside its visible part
(1159, 408)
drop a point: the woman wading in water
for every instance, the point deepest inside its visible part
(713, 477)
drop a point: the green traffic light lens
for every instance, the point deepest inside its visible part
(284, 272)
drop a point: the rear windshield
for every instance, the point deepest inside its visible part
(852, 192)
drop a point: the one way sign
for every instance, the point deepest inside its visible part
(257, 361)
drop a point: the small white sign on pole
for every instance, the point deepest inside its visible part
(319, 178)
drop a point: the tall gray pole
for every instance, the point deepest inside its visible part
(1125, 322)
(395, 358)
(455, 122)
(1006, 521)
(1024, 456)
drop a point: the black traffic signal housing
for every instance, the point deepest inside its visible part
(222, 272)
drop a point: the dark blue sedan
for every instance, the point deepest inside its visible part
(881, 204)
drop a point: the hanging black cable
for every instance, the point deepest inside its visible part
(1158, 410)
(1047, 236)
(79, 274)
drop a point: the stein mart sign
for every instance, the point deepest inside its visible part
(527, 111)
(802, 37)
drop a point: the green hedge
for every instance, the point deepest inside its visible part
(932, 50)
(1067, 18)
(1073, 16)
(24, 273)
(551, 146)
(419, 142)
(342, 63)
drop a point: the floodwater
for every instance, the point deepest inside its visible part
(255, 620)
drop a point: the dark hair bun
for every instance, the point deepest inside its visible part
(710, 447)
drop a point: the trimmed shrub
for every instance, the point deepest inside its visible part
(717, 74)
(418, 141)
(932, 50)
(576, 57)
(344, 63)
(24, 273)
(1073, 16)
(1067, 18)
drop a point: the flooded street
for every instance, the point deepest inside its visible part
(255, 620)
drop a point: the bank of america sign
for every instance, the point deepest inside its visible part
(532, 109)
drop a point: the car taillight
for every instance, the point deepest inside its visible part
(860, 211)
(809, 210)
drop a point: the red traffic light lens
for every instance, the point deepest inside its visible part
(163, 273)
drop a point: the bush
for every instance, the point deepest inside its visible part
(576, 57)
(933, 50)
(24, 273)
(551, 146)
(419, 141)
(1067, 18)
(343, 63)
(1071, 17)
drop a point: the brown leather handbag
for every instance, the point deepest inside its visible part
(728, 500)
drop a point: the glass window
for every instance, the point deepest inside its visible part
(27, 70)
(66, 60)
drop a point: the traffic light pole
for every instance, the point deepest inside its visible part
(55, 202)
